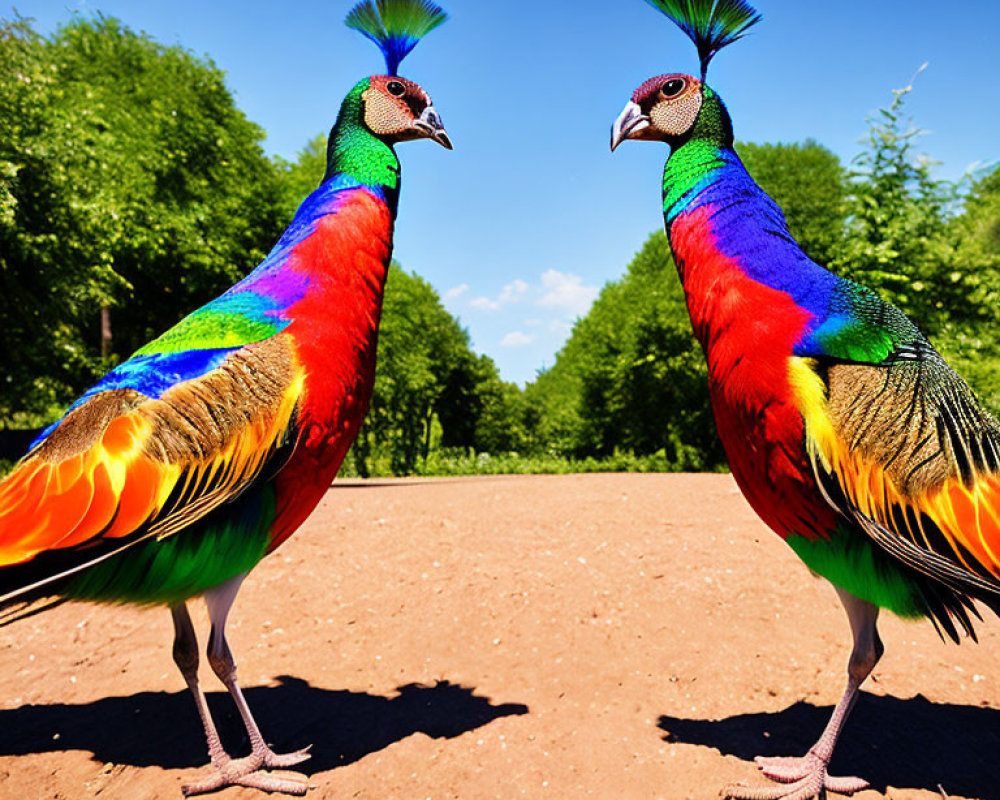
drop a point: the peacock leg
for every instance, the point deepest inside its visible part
(244, 771)
(186, 658)
(806, 777)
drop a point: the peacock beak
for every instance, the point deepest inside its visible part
(429, 125)
(629, 123)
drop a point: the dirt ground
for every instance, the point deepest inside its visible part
(595, 636)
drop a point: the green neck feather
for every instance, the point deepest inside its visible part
(355, 152)
(696, 155)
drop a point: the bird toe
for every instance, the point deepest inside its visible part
(280, 760)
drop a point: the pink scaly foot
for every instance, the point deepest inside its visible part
(801, 778)
(226, 771)
(274, 760)
(249, 772)
(790, 770)
(806, 778)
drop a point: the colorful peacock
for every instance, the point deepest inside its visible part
(188, 463)
(846, 431)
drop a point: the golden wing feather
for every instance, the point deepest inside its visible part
(905, 450)
(123, 467)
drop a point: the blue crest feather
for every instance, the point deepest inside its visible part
(710, 24)
(395, 25)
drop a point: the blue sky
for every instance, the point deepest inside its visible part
(520, 226)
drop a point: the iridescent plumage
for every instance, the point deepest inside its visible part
(846, 431)
(709, 24)
(177, 472)
(215, 406)
(395, 25)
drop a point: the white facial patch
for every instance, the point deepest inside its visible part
(384, 115)
(676, 116)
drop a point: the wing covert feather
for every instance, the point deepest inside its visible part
(122, 467)
(904, 449)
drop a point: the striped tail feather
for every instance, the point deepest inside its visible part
(945, 591)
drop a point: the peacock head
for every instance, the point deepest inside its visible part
(393, 108)
(398, 110)
(673, 108)
(662, 109)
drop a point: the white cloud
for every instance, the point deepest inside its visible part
(566, 291)
(484, 303)
(511, 293)
(456, 291)
(516, 339)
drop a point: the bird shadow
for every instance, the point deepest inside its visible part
(911, 743)
(162, 729)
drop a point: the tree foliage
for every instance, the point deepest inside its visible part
(632, 377)
(970, 338)
(430, 388)
(924, 247)
(53, 271)
(130, 181)
(300, 177)
(895, 240)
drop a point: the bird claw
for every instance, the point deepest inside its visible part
(248, 772)
(280, 761)
(785, 769)
(289, 783)
(799, 778)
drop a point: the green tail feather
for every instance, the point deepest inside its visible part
(395, 25)
(710, 24)
(228, 542)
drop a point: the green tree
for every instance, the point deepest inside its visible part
(905, 239)
(183, 174)
(506, 421)
(631, 377)
(130, 182)
(302, 176)
(976, 234)
(430, 388)
(54, 274)
(971, 338)
(896, 239)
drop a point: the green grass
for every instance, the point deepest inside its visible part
(446, 462)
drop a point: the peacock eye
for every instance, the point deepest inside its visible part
(672, 88)
(396, 88)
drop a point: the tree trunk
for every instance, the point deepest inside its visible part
(362, 449)
(428, 424)
(105, 332)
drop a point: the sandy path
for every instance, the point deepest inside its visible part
(606, 636)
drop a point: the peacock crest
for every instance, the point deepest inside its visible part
(395, 25)
(710, 24)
